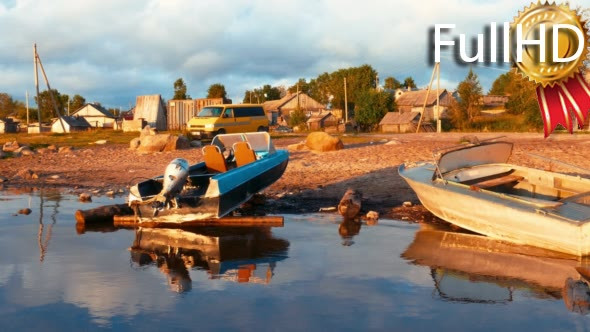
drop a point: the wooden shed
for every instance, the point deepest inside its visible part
(97, 116)
(152, 110)
(321, 121)
(283, 107)
(396, 122)
(413, 101)
(70, 124)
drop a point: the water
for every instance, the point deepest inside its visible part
(304, 276)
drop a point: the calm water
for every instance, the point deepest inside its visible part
(304, 276)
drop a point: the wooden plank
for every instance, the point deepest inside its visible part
(242, 221)
(498, 181)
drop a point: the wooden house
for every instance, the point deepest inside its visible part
(398, 122)
(152, 110)
(413, 101)
(321, 121)
(280, 109)
(97, 116)
(493, 105)
(70, 124)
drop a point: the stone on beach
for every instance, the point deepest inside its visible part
(10, 146)
(85, 197)
(25, 211)
(321, 141)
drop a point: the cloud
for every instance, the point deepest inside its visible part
(112, 51)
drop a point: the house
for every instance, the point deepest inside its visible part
(321, 121)
(8, 125)
(152, 110)
(399, 122)
(70, 124)
(179, 112)
(413, 101)
(493, 105)
(97, 116)
(280, 109)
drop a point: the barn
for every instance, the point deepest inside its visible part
(70, 124)
(152, 110)
(96, 115)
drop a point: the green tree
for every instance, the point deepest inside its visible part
(45, 104)
(371, 107)
(409, 83)
(260, 95)
(216, 90)
(392, 83)
(7, 105)
(499, 85)
(470, 95)
(180, 90)
(522, 97)
(77, 102)
(297, 118)
(303, 86)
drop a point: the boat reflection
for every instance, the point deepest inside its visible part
(467, 267)
(244, 255)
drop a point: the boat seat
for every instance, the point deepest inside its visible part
(243, 153)
(506, 179)
(214, 159)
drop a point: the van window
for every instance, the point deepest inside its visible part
(227, 113)
(208, 112)
(248, 111)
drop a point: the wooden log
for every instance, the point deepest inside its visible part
(243, 221)
(102, 214)
(350, 204)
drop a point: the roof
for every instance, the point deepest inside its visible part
(416, 98)
(318, 118)
(74, 121)
(272, 105)
(97, 107)
(394, 118)
(494, 100)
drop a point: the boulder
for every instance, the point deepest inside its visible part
(24, 150)
(196, 144)
(10, 146)
(27, 174)
(52, 148)
(148, 131)
(134, 144)
(320, 141)
(85, 197)
(162, 142)
(65, 149)
(350, 204)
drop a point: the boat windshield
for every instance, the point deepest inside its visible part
(488, 153)
(583, 199)
(210, 112)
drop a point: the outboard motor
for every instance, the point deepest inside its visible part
(175, 178)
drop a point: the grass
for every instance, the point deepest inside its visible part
(77, 139)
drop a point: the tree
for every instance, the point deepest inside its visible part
(180, 90)
(7, 105)
(45, 104)
(260, 95)
(303, 86)
(522, 97)
(409, 83)
(392, 83)
(297, 118)
(470, 94)
(371, 107)
(77, 102)
(216, 90)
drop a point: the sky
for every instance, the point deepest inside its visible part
(112, 51)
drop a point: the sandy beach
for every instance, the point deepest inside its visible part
(312, 180)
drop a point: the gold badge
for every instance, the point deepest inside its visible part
(549, 73)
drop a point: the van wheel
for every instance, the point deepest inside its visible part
(261, 128)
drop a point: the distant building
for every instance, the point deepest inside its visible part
(321, 121)
(70, 124)
(8, 125)
(413, 101)
(152, 110)
(97, 116)
(397, 122)
(493, 105)
(278, 111)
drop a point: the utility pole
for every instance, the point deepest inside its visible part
(37, 86)
(436, 66)
(345, 103)
(61, 122)
(298, 107)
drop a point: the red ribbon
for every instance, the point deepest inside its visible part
(559, 101)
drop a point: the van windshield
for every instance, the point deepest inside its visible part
(209, 112)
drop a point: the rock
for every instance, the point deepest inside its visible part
(162, 142)
(85, 197)
(121, 191)
(350, 204)
(24, 150)
(320, 141)
(96, 191)
(10, 146)
(52, 148)
(3, 179)
(472, 139)
(328, 209)
(147, 131)
(101, 142)
(54, 177)
(296, 147)
(134, 144)
(372, 215)
(384, 140)
(25, 211)
(65, 149)
(407, 204)
(42, 151)
(393, 142)
(26, 174)
(196, 144)
(110, 193)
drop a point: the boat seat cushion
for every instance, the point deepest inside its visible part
(214, 159)
(243, 153)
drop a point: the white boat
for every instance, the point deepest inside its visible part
(473, 187)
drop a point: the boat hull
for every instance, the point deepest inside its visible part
(496, 215)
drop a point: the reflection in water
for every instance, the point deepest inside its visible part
(235, 254)
(348, 228)
(44, 240)
(473, 268)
